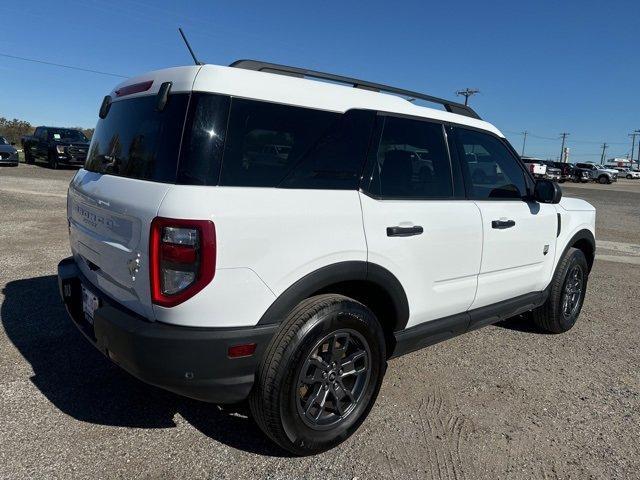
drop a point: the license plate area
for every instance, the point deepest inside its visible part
(90, 304)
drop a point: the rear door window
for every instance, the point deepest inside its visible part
(412, 161)
(136, 141)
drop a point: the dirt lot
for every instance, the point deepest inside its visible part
(502, 402)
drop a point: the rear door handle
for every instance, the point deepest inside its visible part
(502, 224)
(404, 231)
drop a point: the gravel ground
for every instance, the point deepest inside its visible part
(503, 402)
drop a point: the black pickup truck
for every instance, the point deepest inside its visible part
(56, 146)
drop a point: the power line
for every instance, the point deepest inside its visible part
(553, 139)
(15, 57)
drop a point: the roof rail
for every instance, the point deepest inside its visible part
(452, 107)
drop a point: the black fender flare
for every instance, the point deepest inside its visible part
(585, 235)
(334, 274)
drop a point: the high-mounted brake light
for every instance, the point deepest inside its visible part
(182, 259)
(134, 88)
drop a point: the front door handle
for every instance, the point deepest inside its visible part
(404, 231)
(502, 224)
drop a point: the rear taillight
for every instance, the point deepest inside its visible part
(182, 259)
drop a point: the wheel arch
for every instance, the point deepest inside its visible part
(585, 241)
(373, 285)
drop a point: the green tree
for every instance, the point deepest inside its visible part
(12, 130)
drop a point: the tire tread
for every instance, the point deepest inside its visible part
(548, 316)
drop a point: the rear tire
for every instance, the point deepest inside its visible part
(566, 296)
(320, 375)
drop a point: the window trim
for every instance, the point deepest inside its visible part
(372, 158)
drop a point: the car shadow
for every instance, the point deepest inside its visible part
(84, 384)
(521, 323)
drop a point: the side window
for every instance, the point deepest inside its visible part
(266, 141)
(203, 141)
(412, 161)
(492, 171)
(336, 160)
(37, 133)
(43, 134)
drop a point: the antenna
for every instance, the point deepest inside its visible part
(193, 55)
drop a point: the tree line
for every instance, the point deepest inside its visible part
(12, 130)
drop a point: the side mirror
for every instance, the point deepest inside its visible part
(547, 191)
(13, 144)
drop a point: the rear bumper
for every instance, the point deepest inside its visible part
(188, 361)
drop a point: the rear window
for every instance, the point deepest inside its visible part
(136, 141)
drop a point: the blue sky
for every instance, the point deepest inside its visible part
(542, 66)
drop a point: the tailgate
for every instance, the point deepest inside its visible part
(109, 220)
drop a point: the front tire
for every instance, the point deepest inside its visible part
(320, 375)
(28, 158)
(603, 179)
(567, 290)
(53, 161)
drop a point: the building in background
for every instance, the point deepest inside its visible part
(619, 162)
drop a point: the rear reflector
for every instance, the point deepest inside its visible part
(245, 350)
(135, 88)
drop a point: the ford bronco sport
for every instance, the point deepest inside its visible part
(256, 232)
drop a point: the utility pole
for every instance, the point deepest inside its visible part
(564, 135)
(604, 148)
(467, 92)
(524, 142)
(633, 144)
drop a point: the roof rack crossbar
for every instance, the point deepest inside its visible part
(452, 107)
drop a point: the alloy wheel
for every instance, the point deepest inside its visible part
(333, 379)
(572, 293)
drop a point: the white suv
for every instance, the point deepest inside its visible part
(252, 232)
